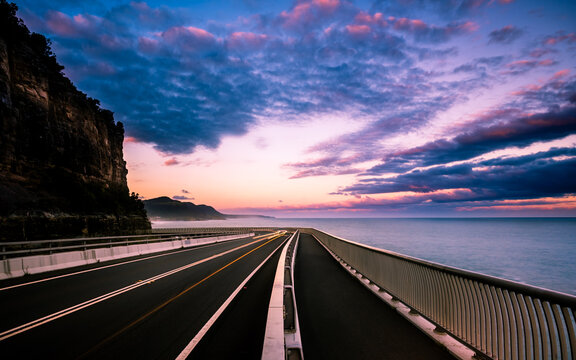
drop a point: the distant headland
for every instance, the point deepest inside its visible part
(164, 208)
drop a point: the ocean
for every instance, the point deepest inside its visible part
(534, 251)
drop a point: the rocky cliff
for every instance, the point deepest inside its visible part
(62, 171)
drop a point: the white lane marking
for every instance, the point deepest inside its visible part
(32, 324)
(192, 344)
(103, 267)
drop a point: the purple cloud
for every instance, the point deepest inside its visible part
(182, 198)
(506, 35)
(518, 132)
(179, 84)
(544, 174)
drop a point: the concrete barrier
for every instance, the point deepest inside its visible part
(16, 267)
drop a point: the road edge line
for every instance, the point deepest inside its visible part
(72, 309)
(204, 330)
(129, 260)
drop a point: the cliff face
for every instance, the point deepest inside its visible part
(61, 159)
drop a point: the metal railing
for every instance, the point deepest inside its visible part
(498, 318)
(38, 247)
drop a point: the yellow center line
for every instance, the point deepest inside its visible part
(164, 304)
(25, 327)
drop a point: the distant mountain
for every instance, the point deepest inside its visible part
(228, 216)
(167, 209)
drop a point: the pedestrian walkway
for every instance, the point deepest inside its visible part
(342, 319)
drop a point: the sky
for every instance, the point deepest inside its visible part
(334, 108)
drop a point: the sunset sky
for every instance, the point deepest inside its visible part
(333, 108)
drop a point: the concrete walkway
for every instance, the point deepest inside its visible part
(341, 319)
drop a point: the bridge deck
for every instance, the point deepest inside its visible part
(155, 319)
(341, 319)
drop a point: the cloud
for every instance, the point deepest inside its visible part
(308, 14)
(506, 35)
(519, 132)
(481, 65)
(429, 33)
(542, 175)
(182, 198)
(519, 67)
(559, 37)
(179, 83)
(447, 9)
(247, 41)
(171, 162)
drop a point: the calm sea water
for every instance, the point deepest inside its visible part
(535, 251)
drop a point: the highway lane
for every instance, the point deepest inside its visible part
(152, 321)
(342, 319)
(26, 303)
(249, 308)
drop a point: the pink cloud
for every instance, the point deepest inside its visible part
(560, 74)
(527, 89)
(64, 25)
(189, 38)
(307, 13)
(537, 53)
(542, 204)
(431, 32)
(553, 40)
(522, 66)
(301, 14)
(148, 45)
(61, 24)
(390, 202)
(171, 162)
(187, 31)
(358, 30)
(468, 26)
(130, 139)
(327, 5)
(410, 24)
(246, 41)
(367, 19)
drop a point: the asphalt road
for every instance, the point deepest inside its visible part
(250, 309)
(145, 309)
(341, 319)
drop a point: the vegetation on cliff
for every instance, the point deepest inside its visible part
(62, 171)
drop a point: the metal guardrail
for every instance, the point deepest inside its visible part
(292, 339)
(282, 334)
(218, 229)
(498, 318)
(39, 247)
